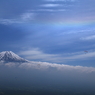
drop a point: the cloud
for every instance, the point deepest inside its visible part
(88, 38)
(51, 76)
(81, 56)
(51, 5)
(61, 10)
(47, 66)
(9, 21)
(50, 10)
(27, 16)
(61, 67)
(37, 54)
(10, 64)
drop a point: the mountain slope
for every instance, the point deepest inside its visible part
(9, 56)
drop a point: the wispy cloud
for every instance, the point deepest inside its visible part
(88, 38)
(82, 56)
(51, 5)
(49, 10)
(28, 16)
(37, 54)
(9, 21)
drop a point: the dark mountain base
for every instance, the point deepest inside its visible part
(41, 92)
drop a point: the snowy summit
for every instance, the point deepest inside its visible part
(9, 56)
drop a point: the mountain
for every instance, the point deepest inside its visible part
(9, 56)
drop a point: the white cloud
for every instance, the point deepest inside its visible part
(47, 66)
(81, 56)
(51, 5)
(88, 38)
(36, 53)
(27, 16)
(9, 21)
(11, 64)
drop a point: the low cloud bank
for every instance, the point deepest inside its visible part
(45, 66)
(47, 76)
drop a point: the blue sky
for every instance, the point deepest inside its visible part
(55, 31)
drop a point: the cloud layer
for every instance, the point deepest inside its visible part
(47, 66)
(47, 76)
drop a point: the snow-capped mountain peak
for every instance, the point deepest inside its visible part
(9, 56)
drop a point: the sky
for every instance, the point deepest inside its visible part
(57, 36)
(56, 31)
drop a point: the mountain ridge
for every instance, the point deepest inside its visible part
(9, 56)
